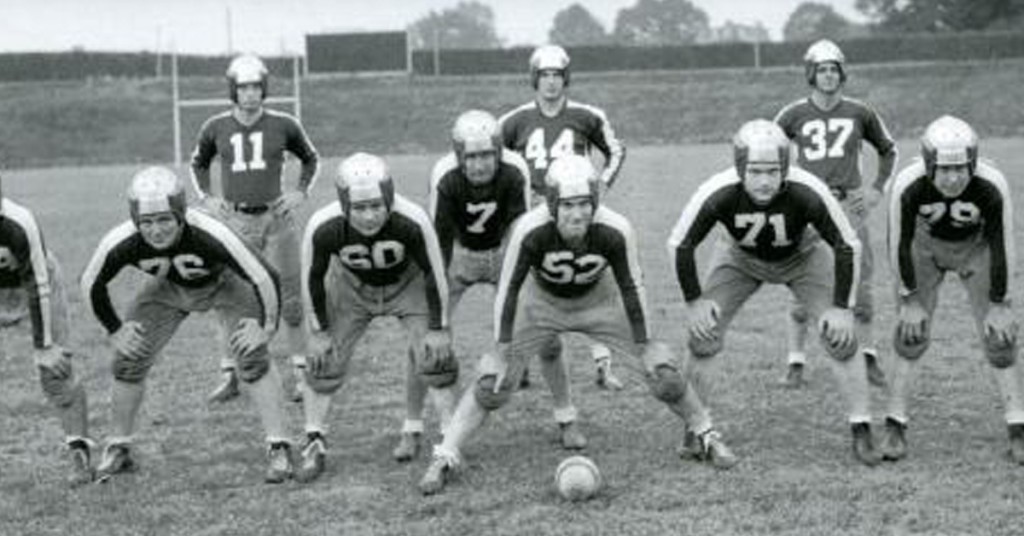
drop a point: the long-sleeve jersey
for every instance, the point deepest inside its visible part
(576, 129)
(204, 250)
(23, 264)
(983, 207)
(477, 216)
(252, 156)
(829, 141)
(536, 246)
(378, 260)
(773, 232)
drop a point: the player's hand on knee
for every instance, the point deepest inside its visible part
(130, 340)
(836, 326)
(1000, 325)
(247, 337)
(913, 323)
(437, 345)
(54, 359)
(703, 315)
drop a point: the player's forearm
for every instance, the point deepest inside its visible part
(886, 164)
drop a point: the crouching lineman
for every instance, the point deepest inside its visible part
(476, 192)
(571, 265)
(391, 265)
(197, 263)
(31, 284)
(948, 212)
(768, 210)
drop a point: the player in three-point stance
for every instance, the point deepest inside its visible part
(775, 217)
(196, 263)
(552, 126)
(388, 263)
(571, 264)
(251, 141)
(31, 284)
(476, 191)
(950, 212)
(829, 130)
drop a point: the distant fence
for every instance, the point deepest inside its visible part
(927, 47)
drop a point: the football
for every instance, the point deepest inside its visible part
(577, 478)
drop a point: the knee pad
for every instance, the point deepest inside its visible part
(1000, 355)
(324, 385)
(667, 384)
(553, 350)
(254, 365)
(910, 350)
(60, 389)
(485, 395)
(703, 348)
(131, 370)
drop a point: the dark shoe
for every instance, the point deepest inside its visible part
(228, 388)
(1016, 443)
(794, 376)
(279, 463)
(863, 444)
(408, 447)
(572, 437)
(116, 459)
(314, 455)
(894, 445)
(80, 471)
(524, 381)
(707, 447)
(875, 375)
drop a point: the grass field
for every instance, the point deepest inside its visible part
(202, 466)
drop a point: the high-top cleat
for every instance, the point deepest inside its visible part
(713, 449)
(116, 459)
(279, 463)
(863, 444)
(1016, 432)
(894, 444)
(794, 376)
(408, 447)
(875, 375)
(437, 474)
(605, 378)
(227, 389)
(80, 471)
(571, 436)
(314, 454)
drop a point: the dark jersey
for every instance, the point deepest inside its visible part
(829, 141)
(379, 260)
(23, 264)
(535, 246)
(983, 207)
(477, 216)
(205, 249)
(576, 129)
(252, 157)
(773, 233)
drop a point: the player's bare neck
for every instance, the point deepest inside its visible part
(826, 101)
(248, 117)
(551, 108)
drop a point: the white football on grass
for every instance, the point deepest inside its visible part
(577, 478)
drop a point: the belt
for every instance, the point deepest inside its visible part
(248, 208)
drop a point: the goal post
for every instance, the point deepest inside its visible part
(294, 99)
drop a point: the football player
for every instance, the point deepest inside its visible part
(950, 212)
(775, 216)
(390, 265)
(196, 263)
(552, 126)
(31, 285)
(829, 131)
(251, 141)
(476, 191)
(572, 264)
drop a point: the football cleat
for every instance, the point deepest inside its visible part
(894, 444)
(794, 376)
(714, 450)
(863, 444)
(279, 466)
(80, 471)
(408, 447)
(605, 378)
(227, 389)
(1016, 442)
(436, 477)
(875, 375)
(116, 459)
(571, 436)
(314, 455)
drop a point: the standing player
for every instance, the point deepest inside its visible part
(829, 130)
(769, 210)
(197, 264)
(552, 126)
(476, 192)
(950, 212)
(31, 285)
(571, 264)
(251, 141)
(388, 264)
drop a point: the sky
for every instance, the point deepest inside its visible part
(279, 26)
